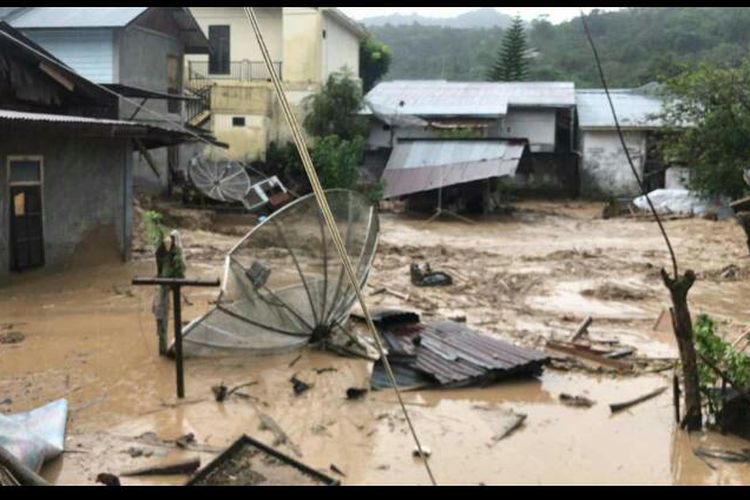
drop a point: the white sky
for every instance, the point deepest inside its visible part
(555, 14)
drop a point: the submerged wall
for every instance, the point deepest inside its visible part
(86, 193)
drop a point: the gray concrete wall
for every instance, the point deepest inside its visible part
(605, 170)
(141, 61)
(86, 187)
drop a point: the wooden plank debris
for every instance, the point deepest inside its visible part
(615, 407)
(183, 466)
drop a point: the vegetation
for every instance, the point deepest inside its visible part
(721, 354)
(374, 61)
(715, 103)
(333, 110)
(338, 140)
(637, 45)
(512, 62)
(154, 227)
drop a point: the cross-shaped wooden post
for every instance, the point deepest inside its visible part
(175, 284)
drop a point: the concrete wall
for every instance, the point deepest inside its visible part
(141, 61)
(242, 43)
(537, 125)
(87, 186)
(340, 49)
(303, 36)
(604, 168)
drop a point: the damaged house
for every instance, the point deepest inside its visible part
(604, 166)
(67, 160)
(431, 134)
(137, 52)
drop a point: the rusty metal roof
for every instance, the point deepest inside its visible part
(453, 354)
(422, 165)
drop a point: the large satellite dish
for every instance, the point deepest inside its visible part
(284, 285)
(222, 180)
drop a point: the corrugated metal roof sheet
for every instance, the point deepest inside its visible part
(634, 109)
(422, 165)
(488, 99)
(76, 17)
(454, 354)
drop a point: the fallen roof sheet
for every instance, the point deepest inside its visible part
(422, 165)
(488, 99)
(634, 109)
(452, 354)
(75, 17)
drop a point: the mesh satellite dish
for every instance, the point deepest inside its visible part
(222, 180)
(284, 285)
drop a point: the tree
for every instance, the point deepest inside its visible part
(707, 113)
(337, 161)
(334, 110)
(512, 60)
(374, 61)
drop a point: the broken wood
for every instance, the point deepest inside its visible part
(682, 326)
(582, 328)
(590, 354)
(399, 295)
(185, 466)
(615, 407)
(676, 397)
(577, 401)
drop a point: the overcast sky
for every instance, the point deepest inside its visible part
(555, 14)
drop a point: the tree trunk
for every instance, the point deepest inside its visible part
(683, 331)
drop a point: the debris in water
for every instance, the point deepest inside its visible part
(327, 369)
(12, 338)
(583, 329)
(280, 437)
(107, 479)
(590, 354)
(298, 385)
(294, 361)
(184, 441)
(615, 407)
(221, 392)
(355, 393)
(428, 277)
(725, 455)
(426, 452)
(511, 423)
(576, 401)
(184, 466)
(248, 462)
(337, 470)
(612, 291)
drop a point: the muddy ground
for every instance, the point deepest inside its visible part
(529, 276)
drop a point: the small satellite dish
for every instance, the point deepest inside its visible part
(222, 180)
(284, 285)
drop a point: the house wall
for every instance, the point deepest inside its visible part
(302, 40)
(87, 186)
(604, 167)
(537, 125)
(340, 49)
(242, 43)
(88, 51)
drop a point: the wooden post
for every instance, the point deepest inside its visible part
(676, 396)
(683, 332)
(176, 284)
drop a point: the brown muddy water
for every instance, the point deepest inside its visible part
(529, 276)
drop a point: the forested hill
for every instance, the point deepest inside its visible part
(635, 45)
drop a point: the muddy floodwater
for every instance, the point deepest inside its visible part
(528, 277)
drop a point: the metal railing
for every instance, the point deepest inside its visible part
(244, 71)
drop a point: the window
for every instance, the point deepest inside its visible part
(218, 59)
(25, 171)
(238, 121)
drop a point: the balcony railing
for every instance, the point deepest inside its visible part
(244, 71)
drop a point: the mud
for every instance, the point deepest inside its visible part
(90, 337)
